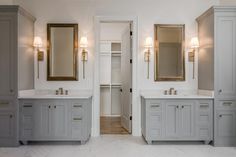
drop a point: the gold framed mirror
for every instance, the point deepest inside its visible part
(62, 49)
(169, 52)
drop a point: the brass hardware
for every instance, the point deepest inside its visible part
(171, 90)
(155, 105)
(165, 92)
(204, 106)
(227, 103)
(4, 103)
(147, 59)
(27, 106)
(84, 59)
(77, 106)
(175, 92)
(77, 118)
(75, 52)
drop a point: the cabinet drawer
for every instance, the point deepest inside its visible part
(227, 104)
(204, 132)
(154, 106)
(5, 104)
(77, 109)
(154, 120)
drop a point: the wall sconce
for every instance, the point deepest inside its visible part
(37, 44)
(84, 45)
(191, 55)
(148, 45)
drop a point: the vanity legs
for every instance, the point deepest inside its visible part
(206, 142)
(24, 142)
(149, 142)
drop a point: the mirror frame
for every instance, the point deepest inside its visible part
(75, 52)
(156, 50)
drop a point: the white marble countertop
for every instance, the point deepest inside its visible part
(182, 95)
(50, 94)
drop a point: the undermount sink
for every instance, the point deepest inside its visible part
(50, 94)
(160, 95)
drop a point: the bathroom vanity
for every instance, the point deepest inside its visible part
(177, 118)
(55, 117)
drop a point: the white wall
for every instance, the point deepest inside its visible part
(228, 2)
(148, 12)
(112, 31)
(6, 2)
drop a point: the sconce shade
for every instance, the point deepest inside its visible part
(38, 42)
(83, 42)
(148, 42)
(194, 42)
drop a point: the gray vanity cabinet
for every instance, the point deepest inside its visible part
(217, 68)
(6, 125)
(16, 67)
(177, 120)
(55, 120)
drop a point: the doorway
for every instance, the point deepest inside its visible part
(115, 71)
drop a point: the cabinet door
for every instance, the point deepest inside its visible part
(186, 120)
(225, 56)
(26, 119)
(6, 125)
(44, 119)
(59, 120)
(7, 49)
(226, 122)
(171, 117)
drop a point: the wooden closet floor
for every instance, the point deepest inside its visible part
(111, 125)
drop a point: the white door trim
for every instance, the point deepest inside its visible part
(136, 127)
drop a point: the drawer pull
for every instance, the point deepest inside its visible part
(155, 105)
(220, 116)
(77, 118)
(77, 106)
(4, 103)
(27, 106)
(204, 106)
(227, 103)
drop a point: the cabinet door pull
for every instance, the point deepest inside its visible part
(220, 91)
(49, 106)
(155, 105)
(182, 106)
(177, 106)
(77, 118)
(77, 106)
(4, 103)
(220, 116)
(227, 103)
(11, 90)
(27, 106)
(204, 106)
(55, 106)
(11, 116)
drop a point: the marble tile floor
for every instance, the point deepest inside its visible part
(118, 146)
